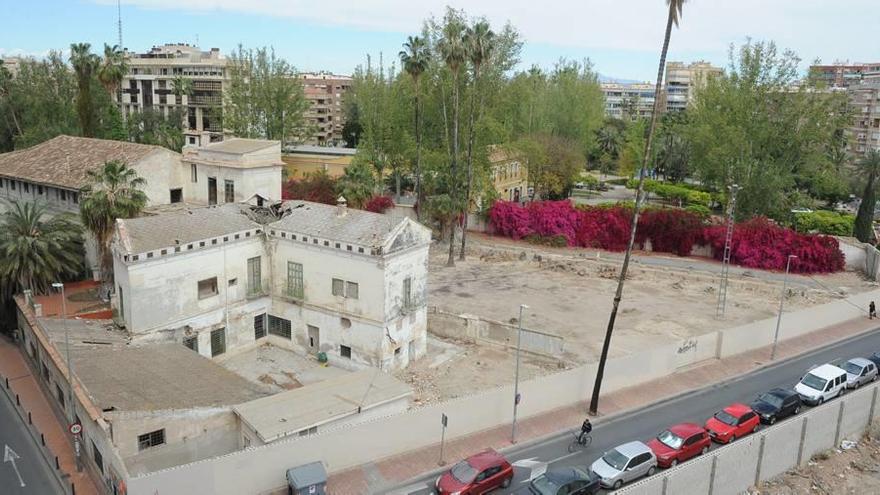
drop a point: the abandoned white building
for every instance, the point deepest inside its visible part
(314, 278)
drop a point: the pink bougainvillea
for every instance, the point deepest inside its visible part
(378, 204)
(757, 243)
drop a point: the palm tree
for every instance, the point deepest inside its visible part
(37, 249)
(84, 65)
(415, 57)
(672, 17)
(453, 51)
(869, 169)
(113, 68)
(114, 191)
(608, 138)
(480, 43)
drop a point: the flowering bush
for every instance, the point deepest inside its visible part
(378, 204)
(318, 188)
(757, 243)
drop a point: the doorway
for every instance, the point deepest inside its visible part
(212, 191)
(314, 339)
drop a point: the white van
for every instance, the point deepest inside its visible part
(821, 384)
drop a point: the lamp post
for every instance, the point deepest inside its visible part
(781, 303)
(516, 373)
(72, 414)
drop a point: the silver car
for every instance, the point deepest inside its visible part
(624, 463)
(859, 371)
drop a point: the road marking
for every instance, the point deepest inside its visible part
(10, 456)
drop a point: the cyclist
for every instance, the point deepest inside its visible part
(586, 428)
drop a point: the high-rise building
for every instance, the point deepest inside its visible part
(683, 82)
(150, 85)
(628, 101)
(843, 75)
(864, 100)
(325, 93)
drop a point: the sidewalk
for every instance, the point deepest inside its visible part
(21, 382)
(387, 473)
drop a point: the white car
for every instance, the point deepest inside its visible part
(859, 371)
(821, 384)
(624, 463)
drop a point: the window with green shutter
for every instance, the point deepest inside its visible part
(218, 342)
(295, 280)
(259, 326)
(254, 276)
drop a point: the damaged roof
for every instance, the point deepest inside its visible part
(337, 223)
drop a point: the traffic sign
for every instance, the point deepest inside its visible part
(75, 428)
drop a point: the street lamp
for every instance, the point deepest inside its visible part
(781, 303)
(516, 373)
(72, 414)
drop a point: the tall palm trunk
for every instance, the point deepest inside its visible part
(453, 183)
(470, 162)
(863, 227)
(618, 295)
(418, 151)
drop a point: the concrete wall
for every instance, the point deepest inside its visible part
(474, 329)
(734, 468)
(872, 262)
(265, 181)
(854, 253)
(161, 170)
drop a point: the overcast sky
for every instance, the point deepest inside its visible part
(621, 37)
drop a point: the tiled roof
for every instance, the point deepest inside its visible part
(320, 220)
(64, 161)
(139, 235)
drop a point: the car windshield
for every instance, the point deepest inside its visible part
(852, 368)
(670, 439)
(543, 486)
(616, 460)
(464, 472)
(771, 399)
(813, 381)
(726, 418)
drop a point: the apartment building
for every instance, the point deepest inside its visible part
(308, 159)
(864, 100)
(684, 81)
(843, 75)
(628, 100)
(149, 84)
(325, 93)
(508, 176)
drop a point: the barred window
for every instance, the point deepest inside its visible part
(351, 290)
(279, 326)
(152, 439)
(218, 342)
(338, 287)
(259, 326)
(192, 342)
(407, 292)
(295, 280)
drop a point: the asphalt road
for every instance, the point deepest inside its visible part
(35, 473)
(644, 424)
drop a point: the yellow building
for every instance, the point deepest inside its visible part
(302, 160)
(509, 177)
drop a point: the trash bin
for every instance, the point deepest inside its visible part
(308, 479)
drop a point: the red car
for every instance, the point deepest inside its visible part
(479, 473)
(734, 421)
(679, 443)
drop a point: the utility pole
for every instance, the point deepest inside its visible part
(725, 260)
(781, 303)
(71, 417)
(516, 373)
(119, 23)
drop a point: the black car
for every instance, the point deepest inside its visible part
(560, 481)
(776, 404)
(875, 358)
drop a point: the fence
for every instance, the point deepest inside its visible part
(261, 469)
(51, 459)
(768, 453)
(474, 328)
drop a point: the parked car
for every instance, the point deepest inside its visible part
(679, 443)
(479, 473)
(624, 463)
(875, 358)
(734, 421)
(821, 384)
(561, 481)
(859, 371)
(776, 404)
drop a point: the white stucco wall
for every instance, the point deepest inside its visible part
(265, 181)
(161, 169)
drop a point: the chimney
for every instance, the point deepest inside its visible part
(341, 206)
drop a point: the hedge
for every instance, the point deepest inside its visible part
(674, 192)
(825, 222)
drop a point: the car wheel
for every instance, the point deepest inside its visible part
(874, 378)
(705, 450)
(673, 463)
(618, 484)
(797, 410)
(772, 420)
(858, 384)
(732, 439)
(506, 482)
(652, 470)
(821, 401)
(755, 428)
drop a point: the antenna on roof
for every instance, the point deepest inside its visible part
(119, 22)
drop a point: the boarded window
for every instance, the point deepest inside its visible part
(254, 276)
(151, 439)
(294, 280)
(345, 351)
(279, 326)
(207, 287)
(338, 287)
(218, 342)
(194, 172)
(259, 326)
(191, 342)
(229, 189)
(351, 290)
(407, 292)
(99, 459)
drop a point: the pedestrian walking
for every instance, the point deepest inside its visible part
(872, 311)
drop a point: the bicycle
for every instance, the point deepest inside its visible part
(581, 441)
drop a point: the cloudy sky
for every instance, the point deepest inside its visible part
(621, 37)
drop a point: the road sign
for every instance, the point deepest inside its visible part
(444, 420)
(75, 428)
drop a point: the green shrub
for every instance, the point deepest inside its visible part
(684, 194)
(825, 222)
(700, 210)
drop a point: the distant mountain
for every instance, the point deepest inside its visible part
(609, 79)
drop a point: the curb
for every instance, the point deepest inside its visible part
(627, 413)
